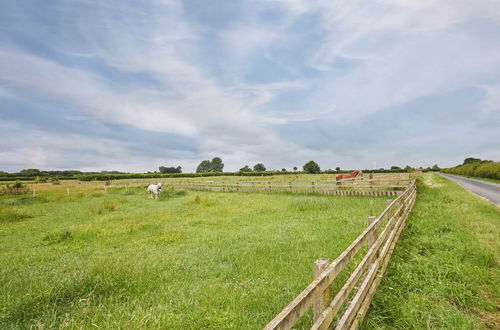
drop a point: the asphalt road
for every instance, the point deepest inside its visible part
(488, 190)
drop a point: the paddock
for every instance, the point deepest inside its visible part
(106, 255)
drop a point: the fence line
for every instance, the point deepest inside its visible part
(348, 188)
(372, 266)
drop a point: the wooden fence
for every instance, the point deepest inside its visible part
(385, 187)
(350, 304)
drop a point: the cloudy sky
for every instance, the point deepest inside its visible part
(132, 85)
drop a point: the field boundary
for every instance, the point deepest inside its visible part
(348, 187)
(365, 278)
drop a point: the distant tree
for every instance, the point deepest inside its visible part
(245, 168)
(216, 165)
(283, 170)
(471, 160)
(259, 167)
(435, 167)
(2, 173)
(172, 169)
(30, 172)
(311, 167)
(204, 167)
(395, 168)
(295, 168)
(337, 168)
(408, 168)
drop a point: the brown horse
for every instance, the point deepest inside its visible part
(348, 176)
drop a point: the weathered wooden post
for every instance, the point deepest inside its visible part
(371, 237)
(105, 188)
(34, 192)
(290, 185)
(237, 186)
(322, 299)
(126, 187)
(269, 184)
(313, 187)
(67, 191)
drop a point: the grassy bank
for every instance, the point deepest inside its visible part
(189, 260)
(445, 270)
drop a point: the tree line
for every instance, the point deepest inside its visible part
(205, 168)
(476, 167)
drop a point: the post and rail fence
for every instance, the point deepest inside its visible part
(348, 187)
(350, 304)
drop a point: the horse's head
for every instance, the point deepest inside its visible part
(159, 185)
(356, 173)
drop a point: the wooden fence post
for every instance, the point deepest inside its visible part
(34, 192)
(313, 187)
(237, 186)
(67, 191)
(322, 299)
(269, 183)
(290, 185)
(126, 187)
(371, 237)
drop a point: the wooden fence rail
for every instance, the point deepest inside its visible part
(381, 236)
(346, 188)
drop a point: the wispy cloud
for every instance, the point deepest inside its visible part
(247, 80)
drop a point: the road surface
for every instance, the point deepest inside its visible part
(488, 190)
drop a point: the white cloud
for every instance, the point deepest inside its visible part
(361, 57)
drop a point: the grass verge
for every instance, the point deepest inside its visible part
(445, 270)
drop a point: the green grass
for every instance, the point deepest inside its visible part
(445, 270)
(188, 260)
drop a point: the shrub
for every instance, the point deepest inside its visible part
(482, 169)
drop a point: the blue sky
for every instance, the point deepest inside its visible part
(132, 85)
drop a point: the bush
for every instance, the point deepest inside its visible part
(482, 169)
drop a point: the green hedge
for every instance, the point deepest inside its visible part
(484, 169)
(109, 176)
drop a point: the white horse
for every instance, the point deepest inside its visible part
(154, 190)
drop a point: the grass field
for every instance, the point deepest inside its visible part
(188, 260)
(445, 270)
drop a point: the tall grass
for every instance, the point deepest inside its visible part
(118, 260)
(444, 272)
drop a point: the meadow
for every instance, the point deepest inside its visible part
(114, 259)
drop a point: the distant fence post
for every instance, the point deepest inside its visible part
(269, 183)
(34, 192)
(371, 238)
(322, 299)
(237, 186)
(67, 191)
(290, 185)
(313, 187)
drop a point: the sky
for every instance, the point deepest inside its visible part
(133, 85)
